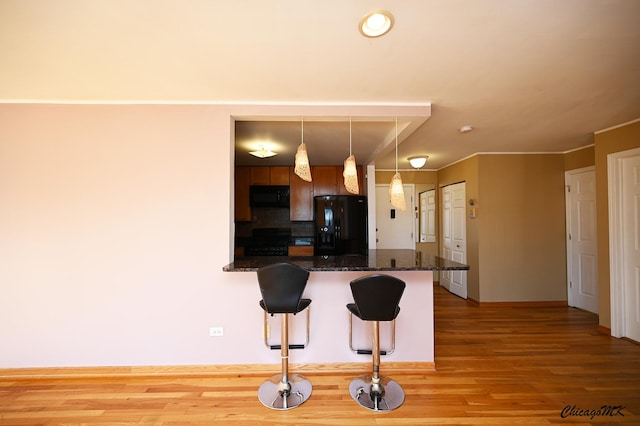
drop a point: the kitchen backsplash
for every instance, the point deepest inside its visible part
(266, 217)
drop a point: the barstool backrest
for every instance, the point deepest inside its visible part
(281, 286)
(377, 296)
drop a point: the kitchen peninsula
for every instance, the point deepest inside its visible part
(328, 287)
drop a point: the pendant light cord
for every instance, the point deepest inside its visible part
(349, 136)
(396, 144)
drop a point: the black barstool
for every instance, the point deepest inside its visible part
(281, 286)
(376, 299)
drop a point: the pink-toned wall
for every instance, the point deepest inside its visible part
(110, 234)
(115, 223)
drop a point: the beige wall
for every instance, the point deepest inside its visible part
(515, 245)
(521, 197)
(580, 158)
(522, 228)
(608, 142)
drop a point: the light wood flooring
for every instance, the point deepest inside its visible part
(494, 366)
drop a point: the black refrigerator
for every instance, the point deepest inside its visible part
(340, 224)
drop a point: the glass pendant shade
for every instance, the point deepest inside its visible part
(302, 167)
(396, 192)
(350, 175)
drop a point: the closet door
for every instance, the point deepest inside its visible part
(454, 237)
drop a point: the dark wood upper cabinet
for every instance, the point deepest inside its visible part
(327, 180)
(301, 198)
(260, 176)
(279, 175)
(324, 180)
(242, 207)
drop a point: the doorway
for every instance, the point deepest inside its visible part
(454, 237)
(624, 229)
(582, 249)
(394, 227)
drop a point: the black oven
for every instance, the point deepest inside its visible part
(268, 242)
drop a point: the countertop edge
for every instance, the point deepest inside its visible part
(387, 260)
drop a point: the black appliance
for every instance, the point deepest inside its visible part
(269, 196)
(340, 224)
(268, 242)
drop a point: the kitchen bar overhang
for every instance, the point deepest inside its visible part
(388, 260)
(328, 287)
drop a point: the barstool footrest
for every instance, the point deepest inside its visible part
(369, 352)
(265, 333)
(278, 347)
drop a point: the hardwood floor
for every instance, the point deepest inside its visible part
(495, 365)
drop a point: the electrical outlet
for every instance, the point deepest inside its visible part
(216, 331)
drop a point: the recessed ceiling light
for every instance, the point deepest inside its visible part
(465, 129)
(376, 23)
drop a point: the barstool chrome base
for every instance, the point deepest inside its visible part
(361, 390)
(273, 393)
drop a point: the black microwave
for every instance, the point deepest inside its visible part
(269, 196)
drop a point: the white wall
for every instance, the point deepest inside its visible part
(115, 223)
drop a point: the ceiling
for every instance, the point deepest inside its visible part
(528, 75)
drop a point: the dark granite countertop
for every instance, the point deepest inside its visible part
(376, 260)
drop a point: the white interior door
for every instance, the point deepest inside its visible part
(631, 245)
(394, 228)
(428, 216)
(582, 260)
(454, 237)
(445, 201)
(624, 242)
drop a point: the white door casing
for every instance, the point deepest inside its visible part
(454, 244)
(445, 201)
(624, 242)
(582, 250)
(631, 244)
(398, 232)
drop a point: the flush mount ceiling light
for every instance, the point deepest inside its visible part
(262, 152)
(418, 161)
(465, 129)
(376, 23)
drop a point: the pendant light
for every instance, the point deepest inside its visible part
(350, 173)
(396, 191)
(302, 167)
